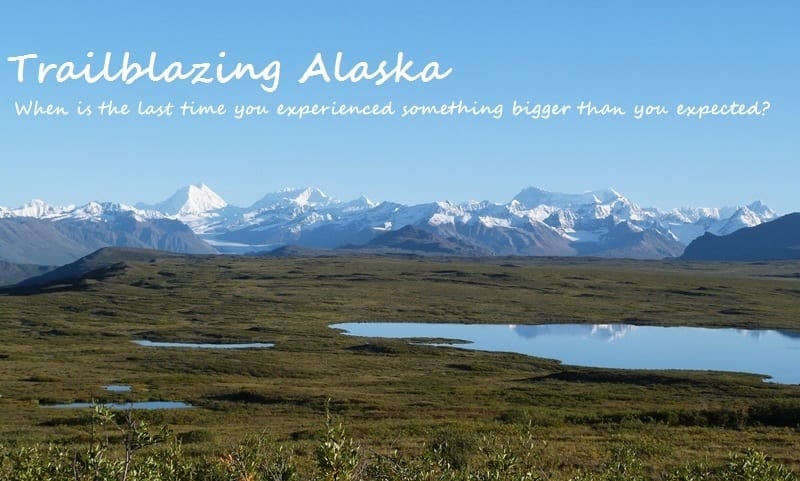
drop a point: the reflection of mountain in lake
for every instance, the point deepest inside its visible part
(790, 334)
(752, 334)
(756, 334)
(602, 332)
(770, 353)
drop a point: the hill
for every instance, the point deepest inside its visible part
(97, 265)
(416, 240)
(11, 272)
(775, 240)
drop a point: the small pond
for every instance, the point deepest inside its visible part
(145, 405)
(205, 345)
(117, 388)
(767, 352)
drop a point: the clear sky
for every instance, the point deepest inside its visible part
(617, 52)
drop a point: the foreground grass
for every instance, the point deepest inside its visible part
(143, 454)
(65, 344)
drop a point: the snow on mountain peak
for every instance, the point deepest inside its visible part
(201, 199)
(92, 211)
(748, 216)
(688, 215)
(532, 197)
(312, 196)
(307, 197)
(760, 209)
(40, 209)
(606, 196)
(584, 217)
(192, 200)
(362, 203)
(104, 211)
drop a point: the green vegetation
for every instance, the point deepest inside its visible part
(407, 408)
(337, 457)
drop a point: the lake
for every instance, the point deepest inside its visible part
(205, 345)
(145, 405)
(766, 352)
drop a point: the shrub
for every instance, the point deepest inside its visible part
(122, 449)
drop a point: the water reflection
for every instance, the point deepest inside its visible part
(117, 388)
(603, 332)
(766, 352)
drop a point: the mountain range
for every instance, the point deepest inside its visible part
(775, 240)
(195, 219)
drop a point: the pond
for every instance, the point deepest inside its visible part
(771, 353)
(205, 345)
(145, 405)
(117, 388)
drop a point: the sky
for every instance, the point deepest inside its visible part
(620, 53)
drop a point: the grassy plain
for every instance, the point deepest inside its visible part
(66, 343)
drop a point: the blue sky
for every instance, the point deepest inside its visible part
(616, 52)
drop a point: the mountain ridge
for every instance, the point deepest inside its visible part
(778, 239)
(534, 222)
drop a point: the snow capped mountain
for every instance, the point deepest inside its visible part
(48, 235)
(563, 220)
(690, 215)
(309, 197)
(360, 204)
(93, 211)
(574, 212)
(192, 200)
(532, 196)
(104, 212)
(689, 223)
(773, 240)
(197, 206)
(39, 209)
(747, 216)
(534, 222)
